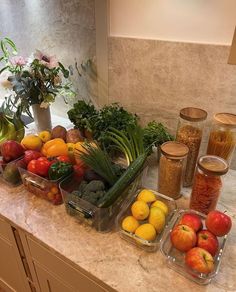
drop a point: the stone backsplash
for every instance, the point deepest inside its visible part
(155, 79)
(65, 28)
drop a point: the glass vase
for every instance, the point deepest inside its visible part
(42, 118)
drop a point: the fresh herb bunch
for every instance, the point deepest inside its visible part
(83, 115)
(155, 133)
(114, 116)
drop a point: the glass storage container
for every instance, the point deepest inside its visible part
(207, 183)
(101, 219)
(222, 139)
(176, 259)
(150, 246)
(189, 132)
(172, 168)
(42, 187)
(9, 172)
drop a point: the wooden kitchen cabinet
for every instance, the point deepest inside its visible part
(27, 265)
(48, 283)
(12, 274)
(54, 270)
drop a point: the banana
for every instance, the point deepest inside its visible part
(19, 127)
(8, 131)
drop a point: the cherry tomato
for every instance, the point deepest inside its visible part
(78, 171)
(32, 166)
(42, 165)
(64, 158)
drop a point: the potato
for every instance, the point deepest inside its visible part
(74, 136)
(59, 132)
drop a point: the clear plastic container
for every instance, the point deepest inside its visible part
(189, 132)
(176, 259)
(207, 183)
(150, 246)
(101, 219)
(9, 172)
(172, 168)
(222, 139)
(42, 187)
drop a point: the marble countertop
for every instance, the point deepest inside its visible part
(109, 258)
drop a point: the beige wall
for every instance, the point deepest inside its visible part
(199, 21)
(156, 79)
(65, 28)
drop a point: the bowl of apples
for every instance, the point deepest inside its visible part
(194, 244)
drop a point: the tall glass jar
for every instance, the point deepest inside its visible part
(189, 132)
(171, 168)
(222, 139)
(207, 183)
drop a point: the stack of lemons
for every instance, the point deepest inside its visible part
(148, 216)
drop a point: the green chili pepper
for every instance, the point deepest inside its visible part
(59, 169)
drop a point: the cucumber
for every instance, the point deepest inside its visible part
(126, 178)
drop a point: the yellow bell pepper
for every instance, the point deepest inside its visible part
(54, 147)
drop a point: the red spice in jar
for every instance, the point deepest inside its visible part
(205, 192)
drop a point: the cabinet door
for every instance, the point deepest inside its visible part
(10, 277)
(48, 283)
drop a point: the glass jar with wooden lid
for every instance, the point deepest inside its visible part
(208, 183)
(171, 168)
(189, 132)
(222, 139)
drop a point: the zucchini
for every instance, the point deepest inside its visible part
(126, 178)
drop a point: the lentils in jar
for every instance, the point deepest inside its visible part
(171, 168)
(189, 132)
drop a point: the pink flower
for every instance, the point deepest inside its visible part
(46, 60)
(18, 60)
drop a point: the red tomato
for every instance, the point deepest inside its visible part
(64, 158)
(32, 166)
(42, 165)
(30, 155)
(78, 171)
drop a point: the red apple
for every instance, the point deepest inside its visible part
(218, 223)
(199, 260)
(31, 155)
(192, 220)
(207, 241)
(11, 150)
(183, 237)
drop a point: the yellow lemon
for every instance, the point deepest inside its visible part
(161, 205)
(146, 196)
(157, 218)
(32, 142)
(146, 231)
(140, 210)
(45, 136)
(130, 224)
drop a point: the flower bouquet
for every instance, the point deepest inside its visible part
(36, 80)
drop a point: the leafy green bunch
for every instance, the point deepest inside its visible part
(156, 133)
(85, 117)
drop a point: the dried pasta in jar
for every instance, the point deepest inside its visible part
(207, 183)
(222, 139)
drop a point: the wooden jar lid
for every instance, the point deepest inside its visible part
(227, 119)
(213, 165)
(175, 150)
(193, 114)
